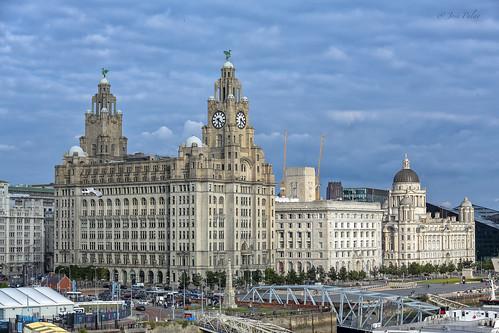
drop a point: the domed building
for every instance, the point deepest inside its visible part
(411, 234)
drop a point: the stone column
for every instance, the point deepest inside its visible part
(229, 295)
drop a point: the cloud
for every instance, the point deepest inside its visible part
(446, 204)
(335, 54)
(192, 128)
(5, 147)
(377, 81)
(162, 133)
(95, 39)
(351, 116)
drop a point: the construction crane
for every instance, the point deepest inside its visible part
(318, 175)
(282, 193)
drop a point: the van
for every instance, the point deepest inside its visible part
(78, 310)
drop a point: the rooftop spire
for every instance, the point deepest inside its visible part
(406, 164)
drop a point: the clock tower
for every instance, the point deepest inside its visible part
(228, 114)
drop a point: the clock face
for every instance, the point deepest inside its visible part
(240, 119)
(218, 119)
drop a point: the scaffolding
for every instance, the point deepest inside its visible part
(354, 308)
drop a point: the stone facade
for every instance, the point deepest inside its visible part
(413, 235)
(161, 216)
(300, 183)
(45, 193)
(21, 234)
(328, 234)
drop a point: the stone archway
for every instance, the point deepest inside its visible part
(133, 277)
(142, 276)
(124, 277)
(160, 277)
(116, 275)
(150, 277)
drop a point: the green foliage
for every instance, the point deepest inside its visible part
(271, 277)
(485, 265)
(322, 274)
(332, 274)
(343, 274)
(240, 282)
(215, 279)
(197, 279)
(83, 272)
(256, 276)
(4, 285)
(184, 280)
(292, 277)
(312, 274)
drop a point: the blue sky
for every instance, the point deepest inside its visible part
(379, 79)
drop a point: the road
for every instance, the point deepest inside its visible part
(159, 312)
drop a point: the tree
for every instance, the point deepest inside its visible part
(402, 270)
(312, 274)
(291, 277)
(451, 267)
(375, 272)
(343, 274)
(414, 269)
(428, 268)
(197, 279)
(240, 282)
(211, 279)
(362, 275)
(353, 275)
(183, 280)
(442, 269)
(332, 274)
(301, 277)
(322, 273)
(256, 276)
(271, 277)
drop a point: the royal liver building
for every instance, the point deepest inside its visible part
(151, 218)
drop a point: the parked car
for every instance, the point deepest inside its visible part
(140, 308)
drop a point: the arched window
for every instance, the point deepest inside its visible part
(152, 201)
(264, 202)
(117, 202)
(126, 202)
(109, 202)
(92, 203)
(135, 202)
(221, 200)
(143, 201)
(84, 203)
(161, 201)
(101, 203)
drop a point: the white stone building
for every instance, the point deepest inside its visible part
(161, 216)
(411, 234)
(300, 183)
(21, 234)
(328, 234)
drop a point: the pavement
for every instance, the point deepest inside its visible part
(436, 289)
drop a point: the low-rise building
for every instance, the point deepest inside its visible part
(327, 234)
(40, 302)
